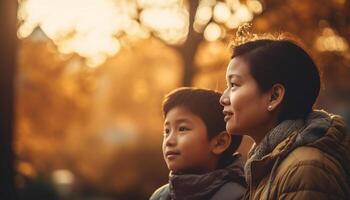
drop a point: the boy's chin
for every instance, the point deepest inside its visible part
(181, 170)
(175, 169)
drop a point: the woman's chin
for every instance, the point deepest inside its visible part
(230, 129)
(233, 130)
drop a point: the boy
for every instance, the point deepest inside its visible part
(198, 150)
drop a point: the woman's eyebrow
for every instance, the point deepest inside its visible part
(234, 75)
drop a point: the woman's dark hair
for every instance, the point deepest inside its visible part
(204, 104)
(282, 61)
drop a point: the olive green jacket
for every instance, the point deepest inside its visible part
(311, 163)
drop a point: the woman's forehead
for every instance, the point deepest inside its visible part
(237, 67)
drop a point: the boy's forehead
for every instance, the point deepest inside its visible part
(179, 120)
(179, 114)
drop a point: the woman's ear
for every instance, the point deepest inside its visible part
(220, 143)
(276, 93)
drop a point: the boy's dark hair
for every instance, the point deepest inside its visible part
(282, 61)
(204, 104)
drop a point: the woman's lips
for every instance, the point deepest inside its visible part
(227, 114)
(227, 118)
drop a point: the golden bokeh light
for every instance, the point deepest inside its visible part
(221, 12)
(26, 169)
(331, 41)
(243, 14)
(233, 4)
(212, 32)
(203, 15)
(255, 6)
(91, 28)
(160, 3)
(62, 176)
(170, 24)
(232, 22)
(230, 13)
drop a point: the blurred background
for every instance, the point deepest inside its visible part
(91, 76)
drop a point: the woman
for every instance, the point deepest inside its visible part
(299, 153)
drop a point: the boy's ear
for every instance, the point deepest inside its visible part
(220, 143)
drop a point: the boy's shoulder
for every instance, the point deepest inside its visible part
(161, 193)
(230, 190)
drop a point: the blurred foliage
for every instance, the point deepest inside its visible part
(36, 189)
(104, 124)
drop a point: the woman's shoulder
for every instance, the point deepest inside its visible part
(161, 193)
(309, 170)
(309, 156)
(306, 157)
(306, 165)
(304, 154)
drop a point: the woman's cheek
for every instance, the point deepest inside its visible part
(235, 102)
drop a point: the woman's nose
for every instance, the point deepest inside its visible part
(224, 99)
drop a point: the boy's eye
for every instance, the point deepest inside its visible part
(166, 131)
(183, 128)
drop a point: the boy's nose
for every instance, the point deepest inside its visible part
(170, 140)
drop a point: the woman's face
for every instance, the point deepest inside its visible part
(245, 105)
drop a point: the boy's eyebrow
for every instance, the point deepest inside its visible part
(177, 121)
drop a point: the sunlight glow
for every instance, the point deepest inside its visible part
(160, 3)
(221, 12)
(255, 6)
(233, 4)
(212, 32)
(229, 13)
(26, 168)
(232, 22)
(203, 15)
(92, 28)
(330, 41)
(170, 24)
(243, 14)
(63, 176)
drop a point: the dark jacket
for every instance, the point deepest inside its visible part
(221, 184)
(311, 163)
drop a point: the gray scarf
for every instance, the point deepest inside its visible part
(203, 186)
(270, 141)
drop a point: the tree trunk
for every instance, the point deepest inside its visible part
(8, 20)
(189, 48)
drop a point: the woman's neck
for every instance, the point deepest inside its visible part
(259, 133)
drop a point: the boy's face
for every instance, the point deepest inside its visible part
(186, 147)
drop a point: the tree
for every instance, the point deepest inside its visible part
(7, 72)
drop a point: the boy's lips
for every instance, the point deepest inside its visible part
(171, 154)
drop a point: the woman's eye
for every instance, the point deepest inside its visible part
(233, 85)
